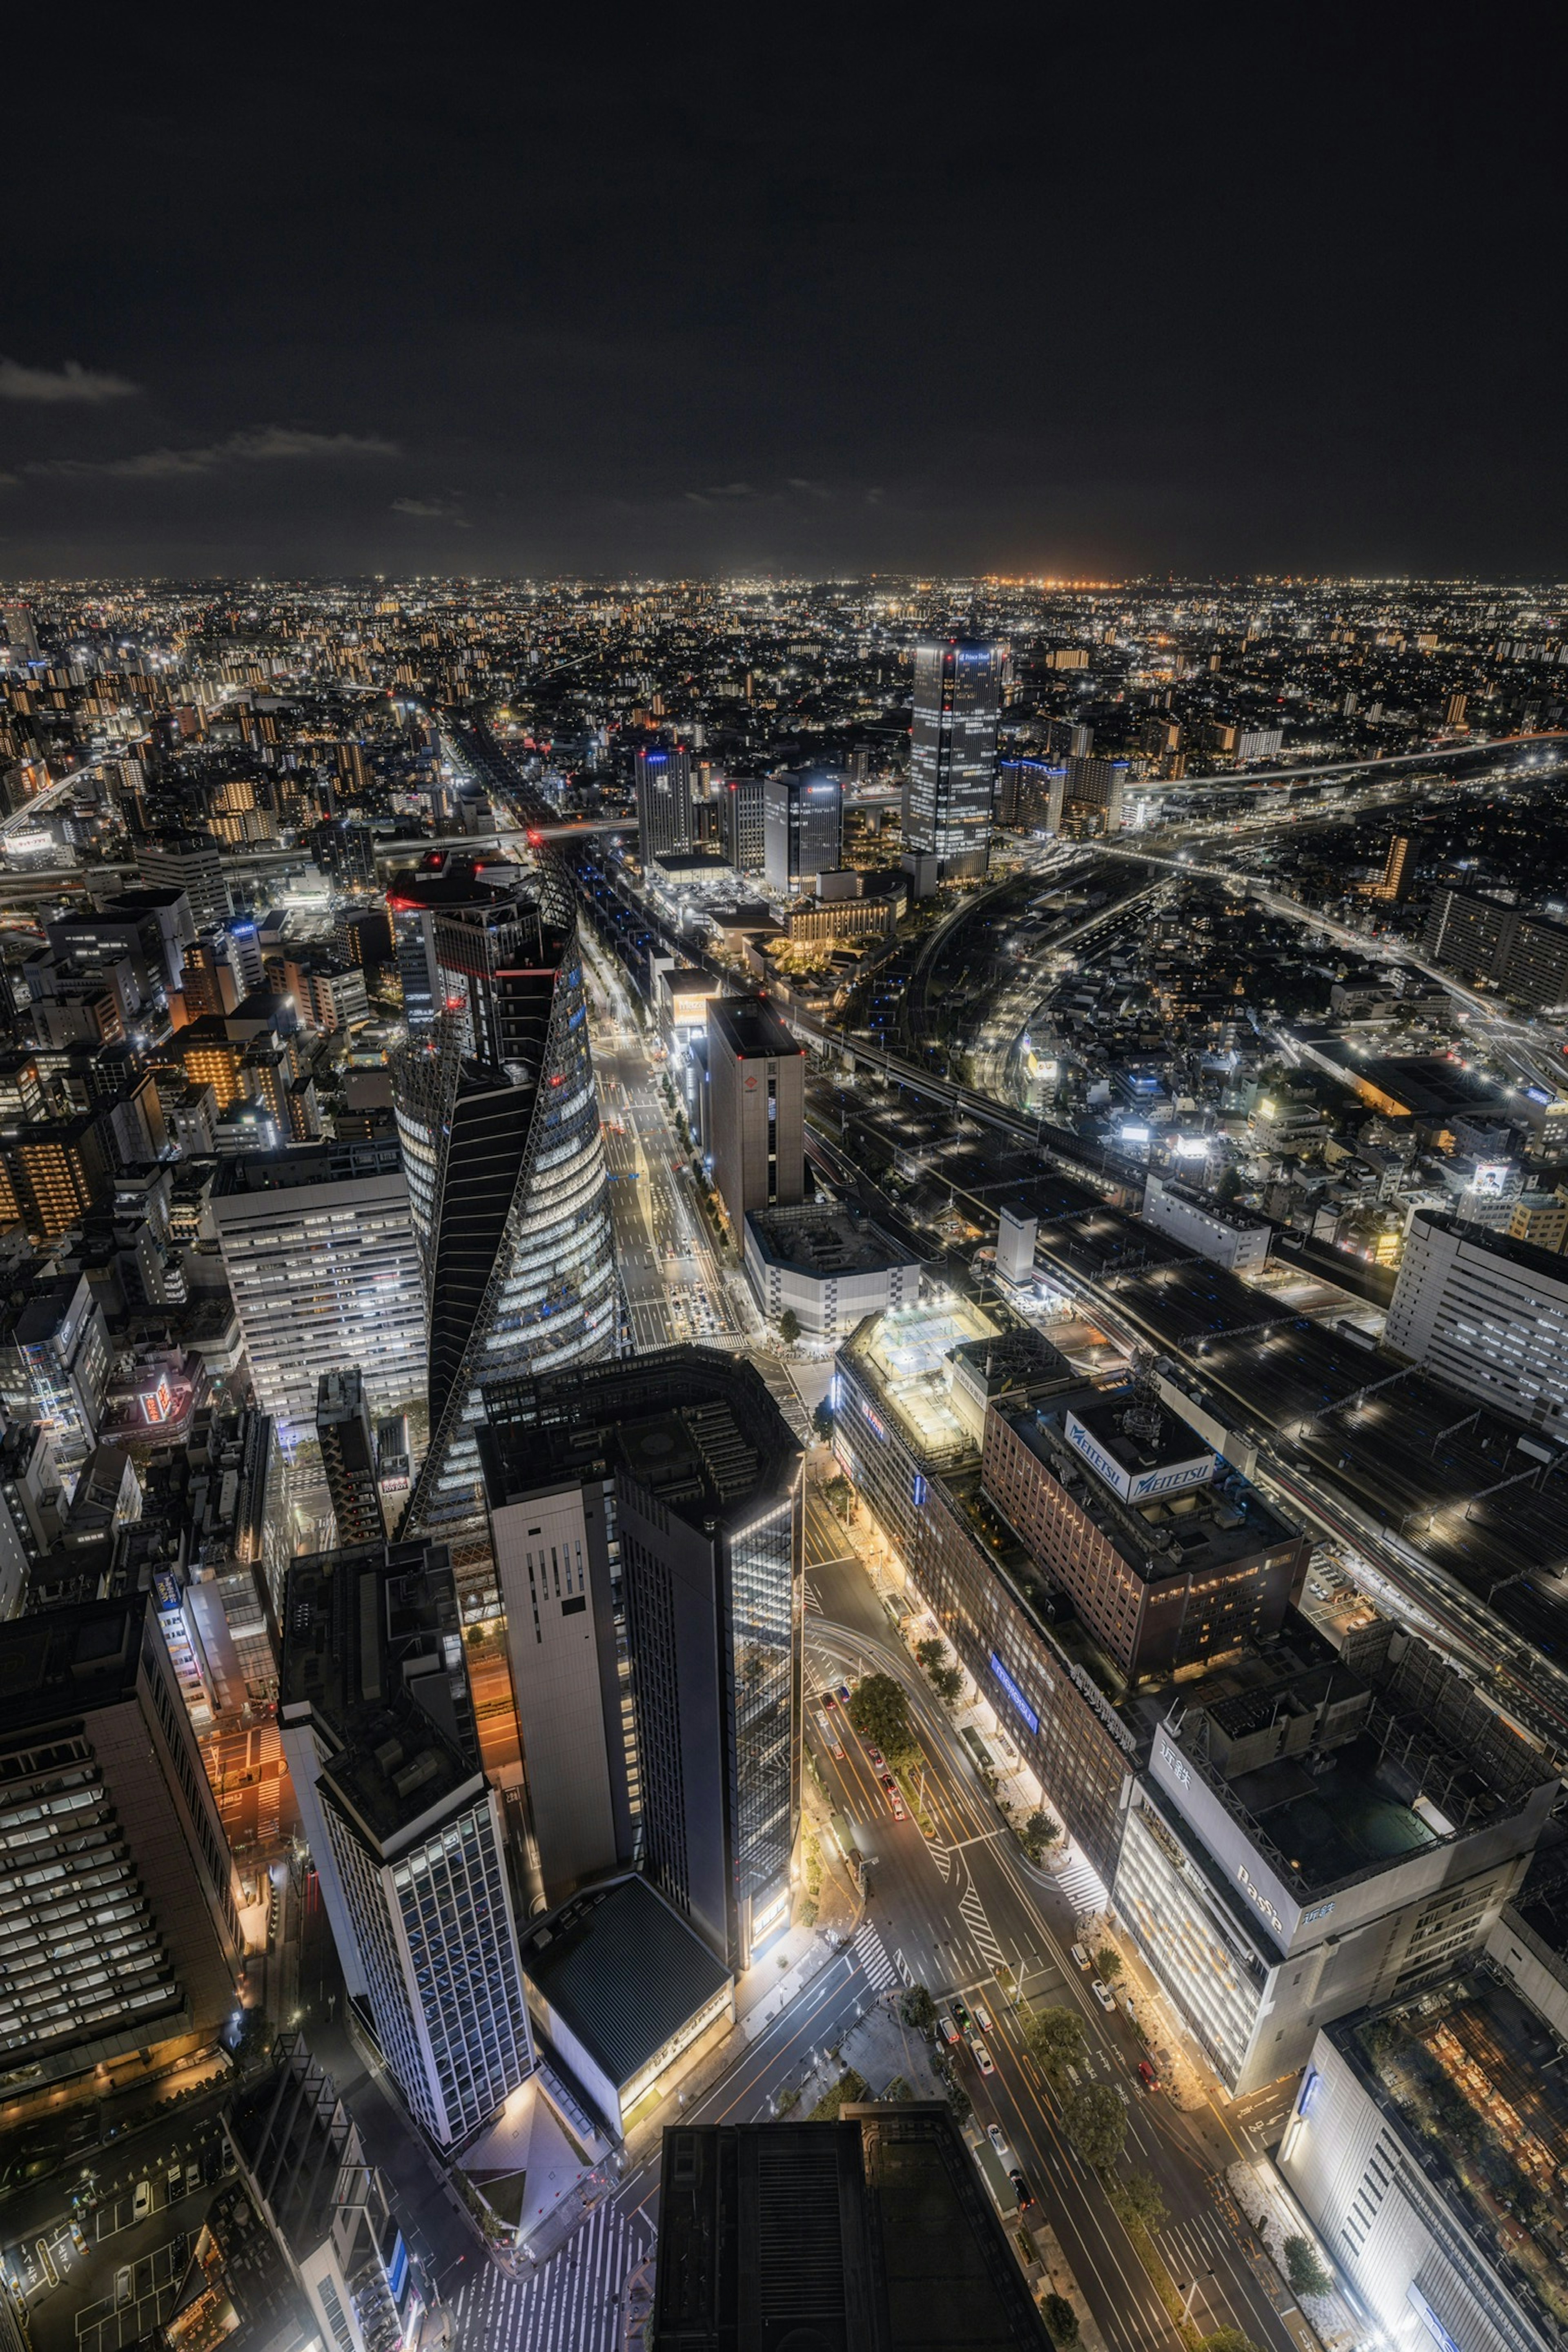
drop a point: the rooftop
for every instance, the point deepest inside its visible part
(1348, 1768)
(1188, 1530)
(821, 1238)
(69, 1660)
(751, 1028)
(1472, 2076)
(623, 1971)
(372, 1652)
(865, 2235)
(699, 1430)
(907, 1352)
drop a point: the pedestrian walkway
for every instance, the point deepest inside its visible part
(973, 1912)
(1081, 1883)
(574, 2300)
(872, 1954)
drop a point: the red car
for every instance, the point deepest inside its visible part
(1148, 2074)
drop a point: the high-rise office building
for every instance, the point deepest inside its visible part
(803, 827)
(558, 1568)
(348, 1456)
(756, 1075)
(740, 824)
(377, 1725)
(21, 636)
(304, 2169)
(951, 791)
(118, 1930)
(665, 815)
(323, 1267)
(500, 1136)
(687, 1480)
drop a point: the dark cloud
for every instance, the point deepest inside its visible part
(272, 444)
(72, 383)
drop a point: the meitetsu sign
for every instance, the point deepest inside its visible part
(1136, 1486)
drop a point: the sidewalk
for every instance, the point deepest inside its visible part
(752, 1994)
(1274, 2214)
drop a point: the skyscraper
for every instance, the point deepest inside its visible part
(348, 1456)
(952, 756)
(664, 802)
(689, 1479)
(118, 1930)
(803, 823)
(756, 1085)
(500, 1138)
(740, 823)
(378, 1723)
(323, 1267)
(560, 1584)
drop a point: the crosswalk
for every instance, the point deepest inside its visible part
(572, 2305)
(872, 1954)
(1081, 1884)
(972, 1913)
(943, 1857)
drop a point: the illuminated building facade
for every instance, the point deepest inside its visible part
(949, 797)
(500, 1126)
(324, 1271)
(671, 1484)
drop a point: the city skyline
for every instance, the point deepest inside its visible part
(782, 1399)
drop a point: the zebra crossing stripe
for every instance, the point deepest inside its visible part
(974, 1914)
(872, 1954)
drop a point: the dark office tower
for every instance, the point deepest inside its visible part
(803, 826)
(740, 824)
(500, 1128)
(756, 1089)
(377, 1723)
(411, 948)
(118, 1935)
(689, 1479)
(348, 1457)
(872, 2234)
(664, 802)
(952, 756)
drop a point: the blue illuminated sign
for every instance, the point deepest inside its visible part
(397, 2268)
(1020, 1703)
(1312, 2083)
(919, 1489)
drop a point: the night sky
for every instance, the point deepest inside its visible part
(1081, 293)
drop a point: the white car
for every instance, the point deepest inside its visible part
(1103, 1995)
(1080, 1956)
(998, 2140)
(981, 2055)
(142, 2204)
(982, 2018)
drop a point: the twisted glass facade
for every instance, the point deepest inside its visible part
(500, 1126)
